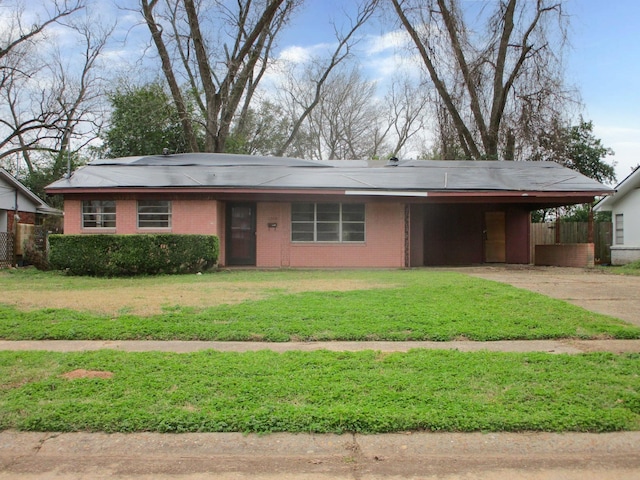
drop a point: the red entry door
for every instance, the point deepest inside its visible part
(241, 234)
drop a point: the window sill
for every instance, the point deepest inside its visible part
(311, 244)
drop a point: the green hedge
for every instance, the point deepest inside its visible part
(125, 255)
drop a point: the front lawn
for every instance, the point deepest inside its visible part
(323, 391)
(295, 305)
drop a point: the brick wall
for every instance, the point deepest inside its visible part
(566, 255)
(187, 216)
(384, 245)
(28, 218)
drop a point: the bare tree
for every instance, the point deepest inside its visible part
(319, 72)
(347, 120)
(407, 109)
(46, 99)
(350, 120)
(221, 51)
(17, 34)
(508, 75)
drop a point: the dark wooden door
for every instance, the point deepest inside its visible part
(241, 234)
(494, 237)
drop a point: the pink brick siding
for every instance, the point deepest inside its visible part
(195, 216)
(72, 220)
(187, 216)
(126, 216)
(383, 246)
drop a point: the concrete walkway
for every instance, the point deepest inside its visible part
(549, 346)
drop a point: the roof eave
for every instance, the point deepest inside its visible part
(331, 191)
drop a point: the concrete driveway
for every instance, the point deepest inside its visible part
(593, 289)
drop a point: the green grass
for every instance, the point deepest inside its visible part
(417, 305)
(323, 391)
(628, 269)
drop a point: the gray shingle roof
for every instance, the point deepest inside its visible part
(243, 171)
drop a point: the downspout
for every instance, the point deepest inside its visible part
(16, 219)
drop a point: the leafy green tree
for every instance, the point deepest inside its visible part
(580, 213)
(144, 121)
(54, 166)
(577, 148)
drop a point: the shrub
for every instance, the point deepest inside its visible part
(35, 255)
(125, 255)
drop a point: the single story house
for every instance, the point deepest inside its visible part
(624, 206)
(283, 212)
(20, 210)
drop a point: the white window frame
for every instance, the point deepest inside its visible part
(145, 220)
(96, 209)
(341, 222)
(619, 232)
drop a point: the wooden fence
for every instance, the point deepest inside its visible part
(574, 232)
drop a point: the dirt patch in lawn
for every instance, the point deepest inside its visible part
(154, 299)
(82, 373)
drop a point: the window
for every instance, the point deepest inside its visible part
(327, 222)
(154, 214)
(98, 214)
(619, 229)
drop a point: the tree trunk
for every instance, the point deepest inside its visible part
(156, 34)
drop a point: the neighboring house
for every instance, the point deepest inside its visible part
(281, 212)
(19, 209)
(624, 206)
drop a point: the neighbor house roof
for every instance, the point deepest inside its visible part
(14, 185)
(632, 182)
(215, 172)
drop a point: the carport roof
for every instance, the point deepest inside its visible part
(225, 171)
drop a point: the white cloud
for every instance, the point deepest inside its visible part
(391, 41)
(625, 142)
(296, 54)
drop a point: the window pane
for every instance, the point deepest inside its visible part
(327, 222)
(353, 232)
(619, 229)
(302, 212)
(353, 213)
(302, 227)
(98, 214)
(302, 237)
(328, 212)
(302, 232)
(154, 214)
(328, 232)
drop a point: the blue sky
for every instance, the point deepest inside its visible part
(604, 63)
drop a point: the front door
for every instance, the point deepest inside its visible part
(494, 237)
(241, 234)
